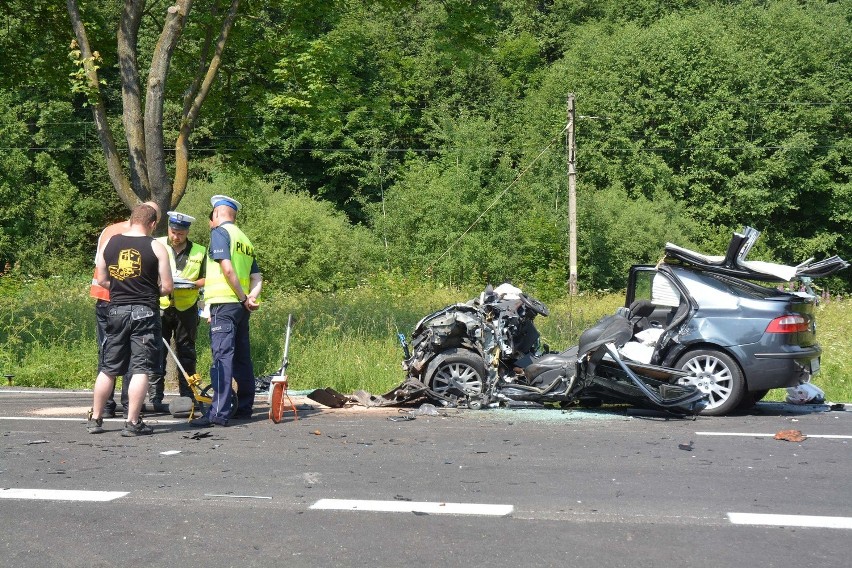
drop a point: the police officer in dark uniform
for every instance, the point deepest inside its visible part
(231, 291)
(179, 311)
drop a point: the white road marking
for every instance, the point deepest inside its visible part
(7, 391)
(61, 494)
(149, 419)
(791, 520)
(237, 496)
(761, 435)
(433, 508)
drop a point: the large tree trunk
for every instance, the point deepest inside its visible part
(158, 176)
(116, 175)
(131, 97)
(192, 106)
(149, 177)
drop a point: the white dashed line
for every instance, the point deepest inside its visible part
(60, 495)
(433, 508)
(763, 435)
(7, 391)
(791, 520)
(82, 420)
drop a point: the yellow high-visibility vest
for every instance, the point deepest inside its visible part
(184, 298)
(216, 287)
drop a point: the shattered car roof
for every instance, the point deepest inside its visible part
(734, 262)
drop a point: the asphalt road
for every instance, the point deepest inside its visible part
(497, 487)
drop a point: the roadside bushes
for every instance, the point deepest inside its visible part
(617, 232)
(302, 243)
(459, 218)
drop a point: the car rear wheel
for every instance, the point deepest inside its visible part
(716, 374)
(456, 372)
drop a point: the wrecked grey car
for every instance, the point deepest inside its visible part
(723, 321)
(487, 352)
(696, 335)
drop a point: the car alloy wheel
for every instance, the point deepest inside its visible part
(457, 372)
(716, 374)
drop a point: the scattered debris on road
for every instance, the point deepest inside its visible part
(791, 436)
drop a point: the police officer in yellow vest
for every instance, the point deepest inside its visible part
(179, 310)
(231, 291)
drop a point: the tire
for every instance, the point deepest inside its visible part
(456, 372)
(208, 391)
(716, 374)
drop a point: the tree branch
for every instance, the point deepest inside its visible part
(157, 174)
(190, 115)
(116, 175)
(190, 93)
(134, 126)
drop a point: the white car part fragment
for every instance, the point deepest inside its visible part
(805, 393)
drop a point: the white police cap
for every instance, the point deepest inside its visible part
(180, 221)
(218, 200)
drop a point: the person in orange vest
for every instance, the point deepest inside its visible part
(101, 296)
(179, 310)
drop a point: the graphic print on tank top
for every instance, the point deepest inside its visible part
(129, 265)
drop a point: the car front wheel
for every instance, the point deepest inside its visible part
(716, 374)
(456, 372)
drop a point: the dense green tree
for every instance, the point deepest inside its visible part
(438, 125)
(44, 219)
(739, 112)
(371, 83)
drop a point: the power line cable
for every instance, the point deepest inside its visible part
(679, 101)
(589, 148)
(496, 199)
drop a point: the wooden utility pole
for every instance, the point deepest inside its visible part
(572, 198)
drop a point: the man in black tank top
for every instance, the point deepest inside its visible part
(136, 270)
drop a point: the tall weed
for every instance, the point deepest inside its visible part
(47, 326)
(834, 332)
(346, 340)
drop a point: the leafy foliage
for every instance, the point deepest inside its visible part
(45, 222)
(301, 243)
(427, 137)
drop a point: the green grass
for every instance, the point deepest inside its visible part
(345, 340)
(834, 331)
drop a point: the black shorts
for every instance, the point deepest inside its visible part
(132, 341)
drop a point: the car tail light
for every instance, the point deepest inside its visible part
(788, 324)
